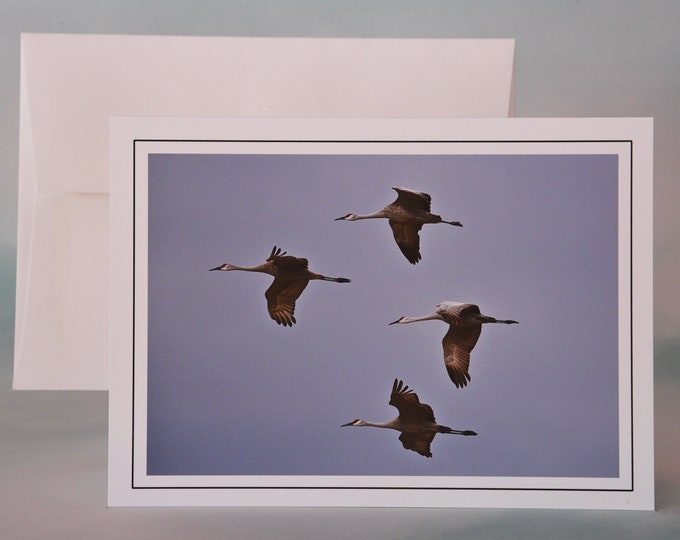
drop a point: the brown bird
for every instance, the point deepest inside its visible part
(291, 276)
(465, 326)
(415, 421)
(406, 216)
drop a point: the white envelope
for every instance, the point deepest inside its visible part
(72, 84)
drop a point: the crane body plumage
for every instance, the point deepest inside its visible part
(406, 216)
(465, 326)
(291, 276)
(416, 421)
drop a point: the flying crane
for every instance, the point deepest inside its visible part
(415, 421)
(291, 276)
(406, 216)
(465, 326)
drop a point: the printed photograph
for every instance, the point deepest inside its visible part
(425, 312)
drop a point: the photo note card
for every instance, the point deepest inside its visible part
(397, 313)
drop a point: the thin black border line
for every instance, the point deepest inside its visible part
(392, 141)
(386, 141)
(632, 312)
(386, 488)
(134, 304)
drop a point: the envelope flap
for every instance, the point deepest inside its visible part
(76, 82)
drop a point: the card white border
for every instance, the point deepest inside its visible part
(133, 138)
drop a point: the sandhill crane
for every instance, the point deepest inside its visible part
(406, 215)
(465, 325)
(291, 276)
(415, 421)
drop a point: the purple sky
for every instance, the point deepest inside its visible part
(230, 392)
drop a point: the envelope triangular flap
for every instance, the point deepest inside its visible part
(75, 82)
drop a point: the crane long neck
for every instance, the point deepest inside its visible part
(265, 268)
(430, 317)
(374, 215)
(388, 425)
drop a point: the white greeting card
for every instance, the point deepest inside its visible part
(480, 335)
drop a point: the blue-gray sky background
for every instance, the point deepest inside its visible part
(231, 392)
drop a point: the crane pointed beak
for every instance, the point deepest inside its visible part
(347, 424)
(395, 322)
(216, 268)
(341, 218)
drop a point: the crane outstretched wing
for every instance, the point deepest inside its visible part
(411, 410)
(412, 200)
(458, 343)
(281, 297)
(287, 262)
(407, 237)
(418, 442)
